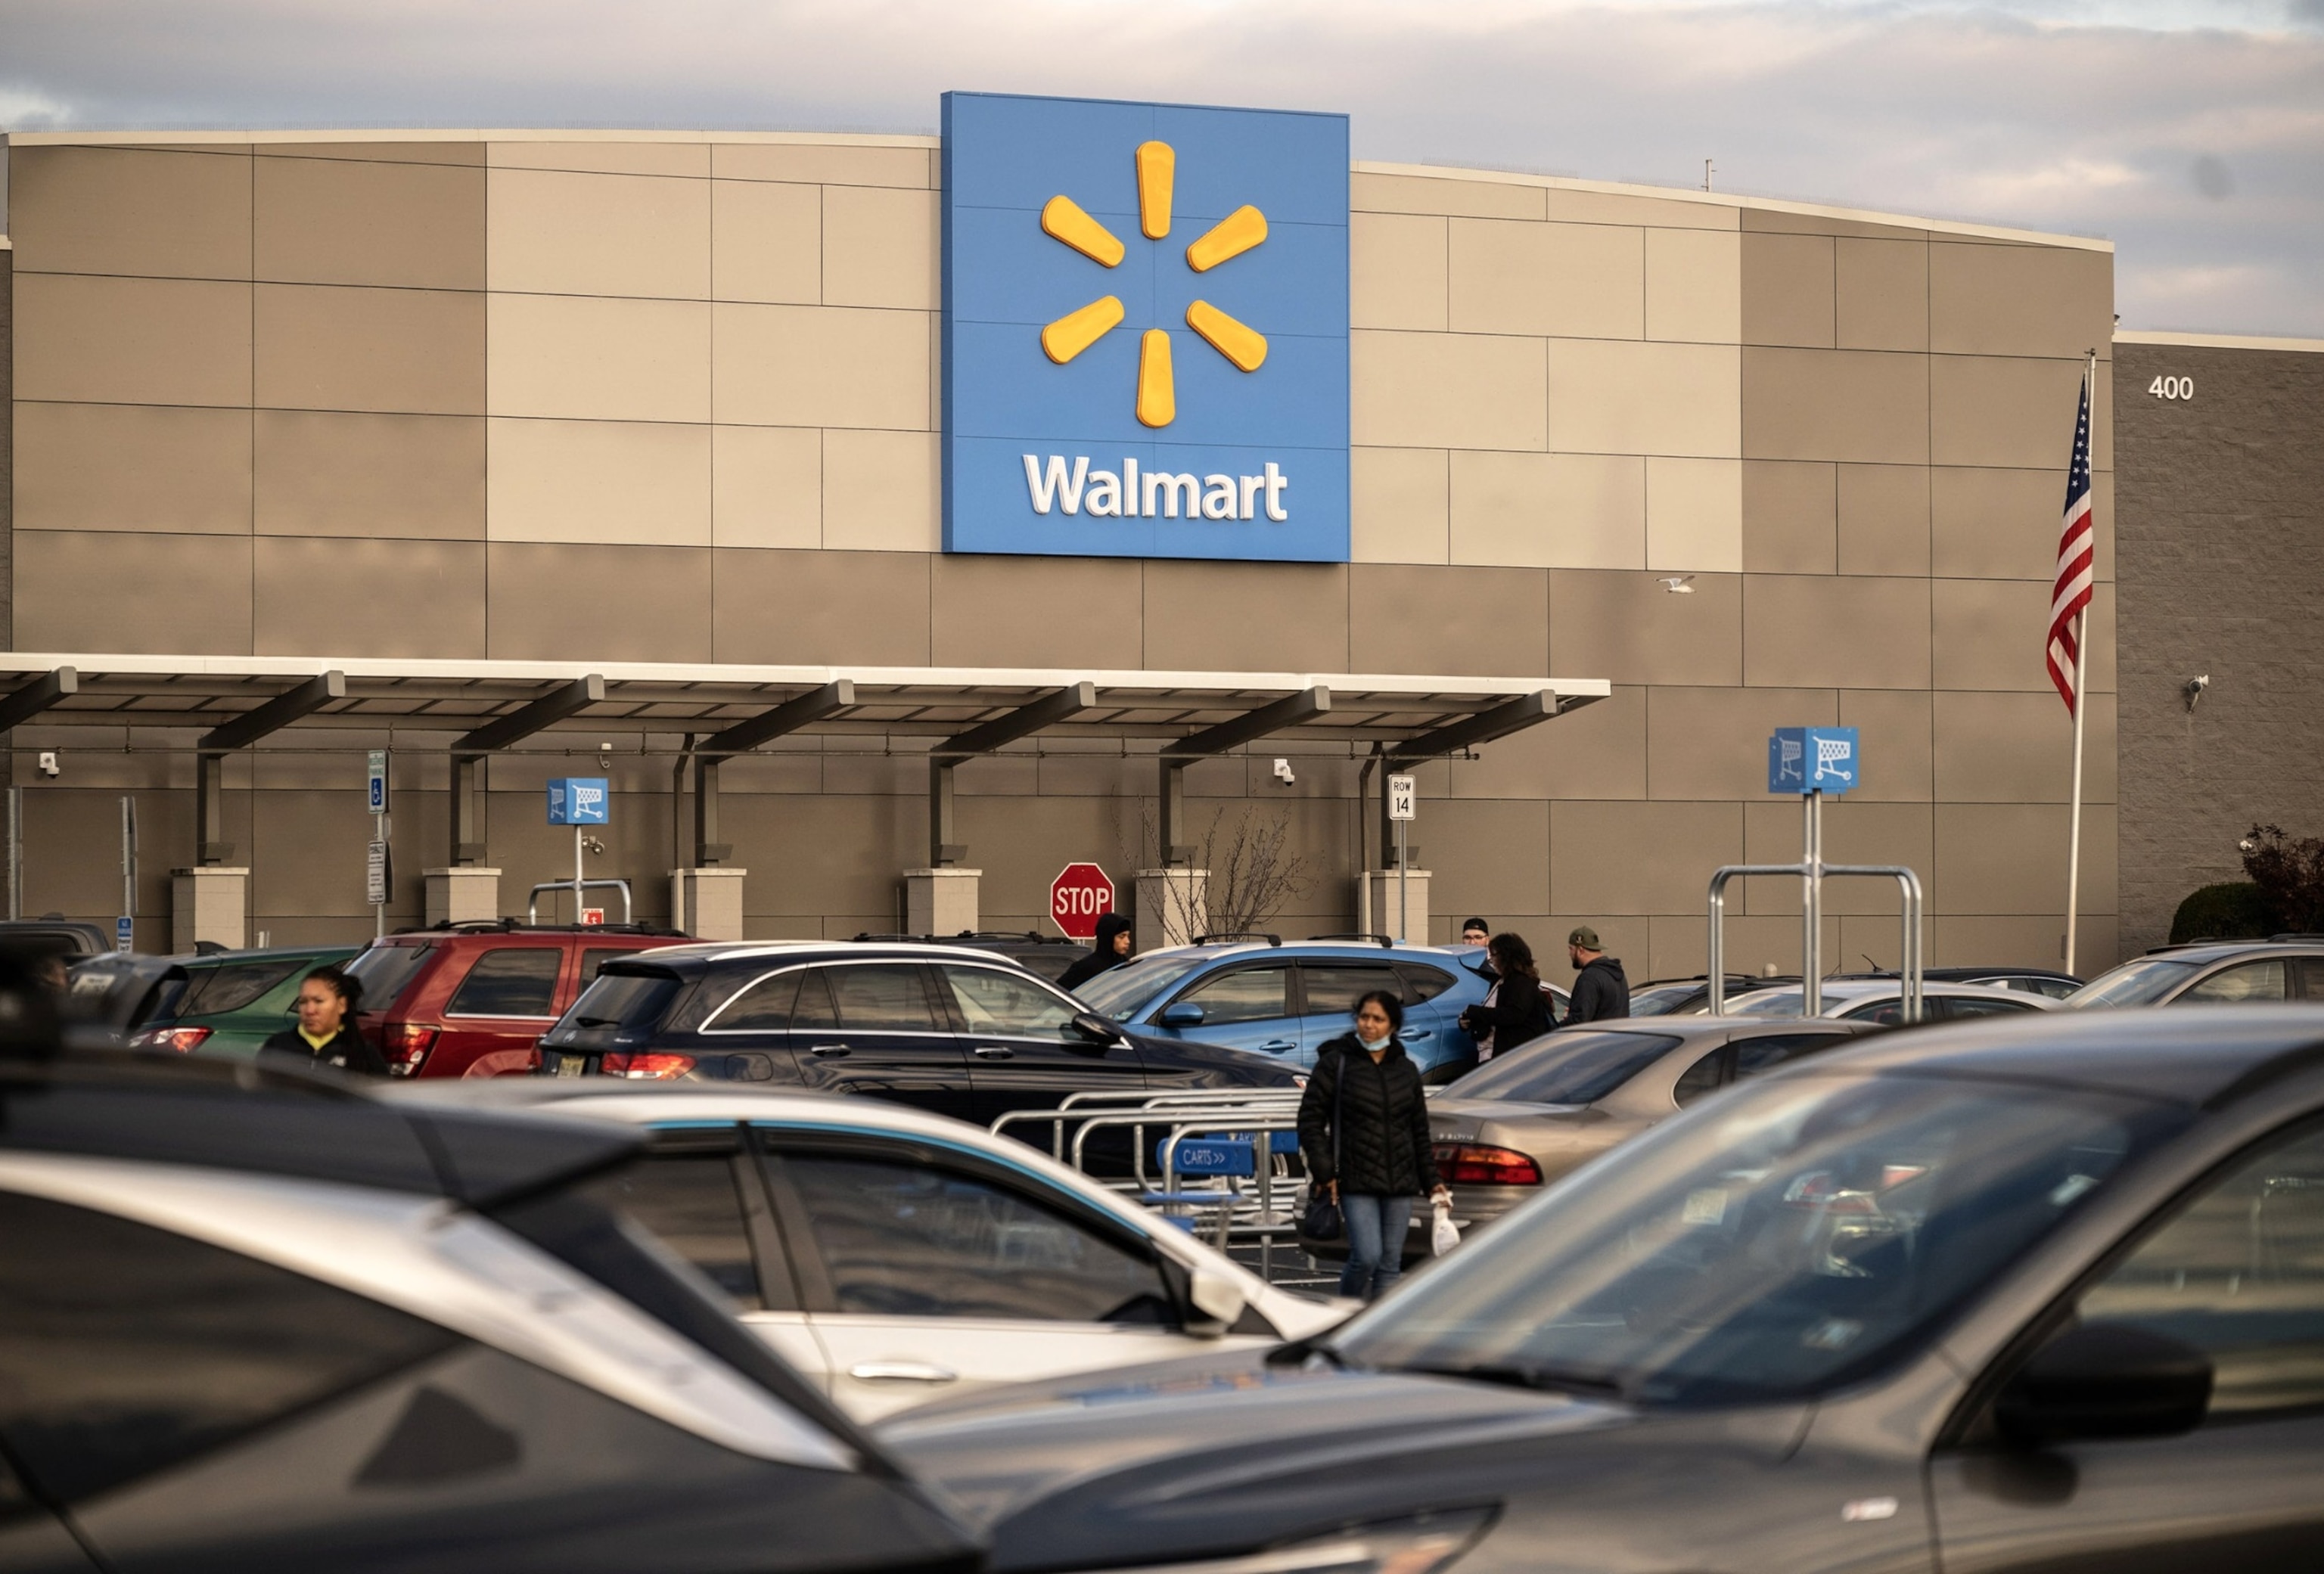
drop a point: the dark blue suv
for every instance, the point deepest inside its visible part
(1288, 999)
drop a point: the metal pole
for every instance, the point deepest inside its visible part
(1811, 904)
(578, 874)
(379, 913)
(2074, 816)
(129, 863)
(15, 852)
(1403, 900)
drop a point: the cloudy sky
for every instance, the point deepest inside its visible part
(2190, 132)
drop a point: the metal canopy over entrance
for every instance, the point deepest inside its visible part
(476, 707)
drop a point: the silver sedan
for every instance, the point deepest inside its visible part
(894, 1255)
(1523, 1119)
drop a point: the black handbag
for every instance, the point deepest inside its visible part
(1323, 1220)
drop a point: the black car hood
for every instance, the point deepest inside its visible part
(1213, 1456)
(1212, 1065)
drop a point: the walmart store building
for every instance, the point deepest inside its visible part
(863, 505)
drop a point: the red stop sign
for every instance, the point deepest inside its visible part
(1078, 897)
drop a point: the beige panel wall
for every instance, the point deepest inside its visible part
(699, 343)
(674, 399)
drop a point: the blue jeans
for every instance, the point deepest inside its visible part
(1375, 1226)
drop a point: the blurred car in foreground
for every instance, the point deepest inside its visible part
(892, 1256)
(253, 1320)
(472, 1000)
(1288, 999)
(1882, 1001)
(2235, 973)
(1527, 1118)
(232, 1001)
(2041, 1293)
(937, 1027)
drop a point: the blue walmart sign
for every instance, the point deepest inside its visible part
(1146, 330)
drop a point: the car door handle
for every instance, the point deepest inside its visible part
(1420, 1033)
(901, 1372)
(993, 1051)
(1277, 1044)
(827, 1049)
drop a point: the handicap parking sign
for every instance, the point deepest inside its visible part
(579, 800)
(1811, 760)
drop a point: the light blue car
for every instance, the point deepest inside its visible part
(1289, 998)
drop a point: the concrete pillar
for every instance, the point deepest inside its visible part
(707, 903)
(1382, 884)
(1172, 905)
(209, 902)
(462, 894)
(940, 901)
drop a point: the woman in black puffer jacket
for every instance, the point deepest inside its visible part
(1364, 1132)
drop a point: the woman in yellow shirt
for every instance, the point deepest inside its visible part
(326, 1034)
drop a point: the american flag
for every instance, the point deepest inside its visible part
(2075, 545)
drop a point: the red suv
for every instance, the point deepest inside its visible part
(473, 999)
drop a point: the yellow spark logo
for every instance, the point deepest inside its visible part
(1063, 220)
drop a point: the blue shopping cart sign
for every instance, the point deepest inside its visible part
(1811, 760)
(579, 800)
(1207, 1156)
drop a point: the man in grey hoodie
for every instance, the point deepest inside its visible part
(1600, 990)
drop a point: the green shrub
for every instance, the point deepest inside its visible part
(2234, 910)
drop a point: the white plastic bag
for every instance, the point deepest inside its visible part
(1445, 1235)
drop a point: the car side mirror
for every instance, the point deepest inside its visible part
(1183, 1014)
(1217, 1304)
(2105, 1380)
(1095, 1028)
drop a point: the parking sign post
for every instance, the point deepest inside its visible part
(581, 801)
(1400, 804)
(1811, 761)
(376, 873)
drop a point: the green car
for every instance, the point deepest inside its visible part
(232, 1001)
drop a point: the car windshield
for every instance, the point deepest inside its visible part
(1661, 1000)
(2134, 983)
(1789, 1237)
(383, 970)
(618, 1008)
(1123, 991)
(1565, 1068)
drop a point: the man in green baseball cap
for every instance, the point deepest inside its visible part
(1600, 989)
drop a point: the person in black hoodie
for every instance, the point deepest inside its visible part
(1600, 989)
(1363, 1133)
(326, 1034)
(1109, 950)
(1516, 1010)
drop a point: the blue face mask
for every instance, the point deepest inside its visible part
(1373, 1045)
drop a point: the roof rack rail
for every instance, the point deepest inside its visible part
(517, 926)
(1239, 935)
(2297, 939)
(1382, 941)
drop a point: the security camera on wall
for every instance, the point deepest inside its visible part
(1283, 772)
(50, 764)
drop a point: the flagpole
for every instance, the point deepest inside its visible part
(2081, 697)
(2074, 816)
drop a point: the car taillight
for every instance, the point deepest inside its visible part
(407, 1046)
(1462, 1164)
(180, 1040)
(655, 1065)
